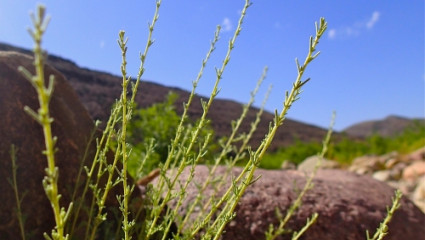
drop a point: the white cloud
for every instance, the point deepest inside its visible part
(373, 20)
(226, 25)
(350, 31)
(332, 33)
(354, 29)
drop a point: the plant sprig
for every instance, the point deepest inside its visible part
(226, 148)
(14, 183)
(275, 232)
(382, 230)
(50, 181)
(255, 158)
(195, 133)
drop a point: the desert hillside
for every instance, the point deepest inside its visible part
(98, 91)
(387, 127)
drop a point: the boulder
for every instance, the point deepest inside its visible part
(310, 163)
(371, 163)
(72, 126)
(288, 165)
(347, 204)
(382, 175)
(414, 170)
(418, 195)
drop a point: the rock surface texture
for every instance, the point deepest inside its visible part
(73, 127)
(347, 204)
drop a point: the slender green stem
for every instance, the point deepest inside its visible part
(253, 127)
(50, 182)
(127, 107)
(225, 150)
(172, 155)
(14, 184)
(382, 230)
(100, 201)
(145, 53)
(180, 128)
(122, 141)
(99, 161)
(219, 73)
(80, 202)
(308, 185)
(182, 191)
(310, 221)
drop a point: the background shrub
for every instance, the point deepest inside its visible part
(345, 150)
(157, 125)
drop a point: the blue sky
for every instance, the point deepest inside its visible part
(371, 63)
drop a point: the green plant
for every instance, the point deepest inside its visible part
(346, 149)
(383, 226)
(159, 123)
(295, 153)
(156, 125)
(13, 182)
(274, 232)
(187, 149)
(246, 177)
(50, 182)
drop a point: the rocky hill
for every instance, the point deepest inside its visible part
(98, 91)
(390, 126)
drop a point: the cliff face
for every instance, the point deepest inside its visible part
(98, 91)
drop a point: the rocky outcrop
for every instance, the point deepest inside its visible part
(72, 126)
(347, 204)
(404, 172)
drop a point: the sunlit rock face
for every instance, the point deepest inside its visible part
(348, 204)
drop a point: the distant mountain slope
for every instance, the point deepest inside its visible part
(387, 127)
(98, 91)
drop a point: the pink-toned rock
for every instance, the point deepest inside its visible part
(309, 164)
(383, 175)
(414, 170)
(370, 163)
(367, 164)
(347, 204)
(418, 195)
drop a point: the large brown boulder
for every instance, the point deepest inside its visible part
(347, 204)
(72, 125)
